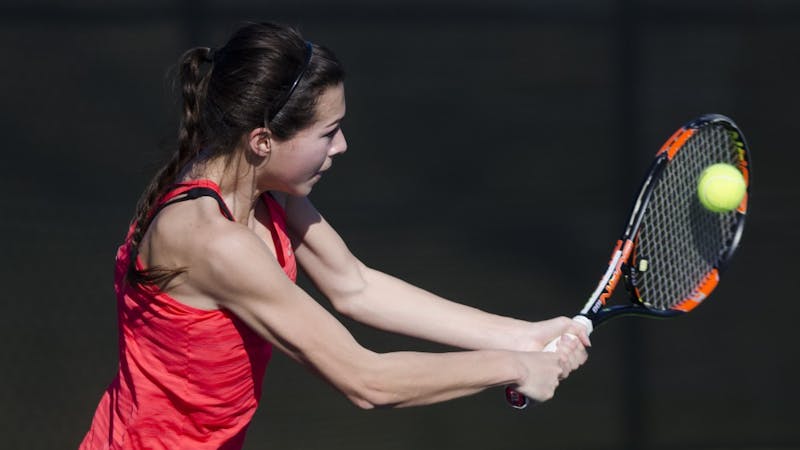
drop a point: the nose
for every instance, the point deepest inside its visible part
(339, 144)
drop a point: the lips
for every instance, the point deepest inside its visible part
(324, 168)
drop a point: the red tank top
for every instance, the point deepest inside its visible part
(188, 378)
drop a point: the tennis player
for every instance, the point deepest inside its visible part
(205, 278)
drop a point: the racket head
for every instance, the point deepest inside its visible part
(673, 250)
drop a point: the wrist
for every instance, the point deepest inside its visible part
(526, 339)
(520, 370)
(508, 367)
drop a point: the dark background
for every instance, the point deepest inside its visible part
(493, 153)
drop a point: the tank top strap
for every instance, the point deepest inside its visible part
(191, 190)
(188, 190)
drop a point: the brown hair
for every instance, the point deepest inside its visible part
(263, 76)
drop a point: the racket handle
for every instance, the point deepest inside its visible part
(520, 401)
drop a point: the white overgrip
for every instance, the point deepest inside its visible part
(583, 320)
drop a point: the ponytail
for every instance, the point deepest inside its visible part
(266, 75)
(193, 84)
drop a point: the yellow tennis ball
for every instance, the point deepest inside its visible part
(721, 187)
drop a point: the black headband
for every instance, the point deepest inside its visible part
(285, 98)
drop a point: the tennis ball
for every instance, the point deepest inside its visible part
(721, 187)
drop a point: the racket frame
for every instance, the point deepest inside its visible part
(619, 268)
(595, 310)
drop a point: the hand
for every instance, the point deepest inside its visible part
(572, 354)
(545, 331)
(546, 369)
(543, 373)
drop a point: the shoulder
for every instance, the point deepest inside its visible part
(229, 244)
(194, 235)
(232, 264)
(186, 227)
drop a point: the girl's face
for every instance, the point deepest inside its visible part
(295, 165)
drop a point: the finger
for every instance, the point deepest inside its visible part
(564, 361)
(582, 353)
(580, 331)
(584, 356)
(568, 343)
(574, 359)
(575, 351)
(579, 327)
(584, 337)
(578, 358)
(566, 325)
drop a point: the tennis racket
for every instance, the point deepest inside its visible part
(673, 249)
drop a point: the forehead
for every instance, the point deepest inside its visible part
(331, 104)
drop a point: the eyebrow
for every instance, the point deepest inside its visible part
(335, 121)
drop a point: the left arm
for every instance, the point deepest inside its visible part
(383, 301)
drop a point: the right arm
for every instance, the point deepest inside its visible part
(383, 301)
(239, 272)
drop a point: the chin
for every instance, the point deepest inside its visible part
(308, 187)
(302, 191)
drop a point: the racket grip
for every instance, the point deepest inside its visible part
(518, 400)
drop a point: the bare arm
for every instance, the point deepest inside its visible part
(239, 271)
(383, 301)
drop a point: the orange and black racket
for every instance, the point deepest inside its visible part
(673, 249)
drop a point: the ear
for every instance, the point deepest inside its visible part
(260, 142)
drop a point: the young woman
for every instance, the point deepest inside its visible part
(205, 278)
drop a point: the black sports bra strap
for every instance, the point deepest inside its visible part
(194, 193)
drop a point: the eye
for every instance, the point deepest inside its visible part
(332, 133)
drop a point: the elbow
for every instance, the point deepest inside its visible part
(347, 305)
(361, 402)
(368, 400)
(373, 392)
(351, 301)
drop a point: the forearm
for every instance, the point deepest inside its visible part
(404, 379)
(391, 304)
(385, 302)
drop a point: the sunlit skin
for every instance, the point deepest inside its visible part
(295, 165)
(264, 163)
(233, 265)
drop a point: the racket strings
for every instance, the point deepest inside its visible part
(680, 241)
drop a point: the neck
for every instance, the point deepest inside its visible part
(236, 179)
